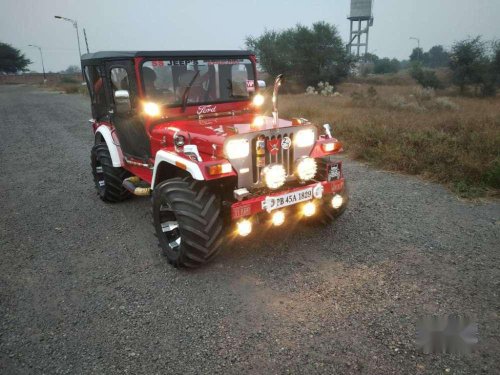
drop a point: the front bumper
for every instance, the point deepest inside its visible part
(256, 205)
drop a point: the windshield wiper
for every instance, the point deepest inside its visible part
(185, 96)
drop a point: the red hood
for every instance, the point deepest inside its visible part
(214, 131)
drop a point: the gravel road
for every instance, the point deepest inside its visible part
(84, 289)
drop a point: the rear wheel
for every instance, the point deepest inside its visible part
(187, 220)
(108, 179)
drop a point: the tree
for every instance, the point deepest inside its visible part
(370, 58)
(12, 60)
(438, 57)
(496, 58)
(386, 65)
(306, 54)
(470, 64)
(418, 55)
(72, 69)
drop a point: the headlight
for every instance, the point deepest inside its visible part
(274, 176)
(304, 138)
(237, 149)
(258, 100)
(306, 168)
(152, 109)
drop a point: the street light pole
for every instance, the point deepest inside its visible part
(417, 39)
(75, 25)
(41, 56)
(418, 44)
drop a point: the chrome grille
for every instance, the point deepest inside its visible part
(284, 157)
(247, 169)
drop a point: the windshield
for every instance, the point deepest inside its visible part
(175, 82)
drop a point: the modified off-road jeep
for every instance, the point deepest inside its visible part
(187, 127)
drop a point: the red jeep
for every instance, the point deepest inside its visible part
(187, 128)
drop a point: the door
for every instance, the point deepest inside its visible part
(134, 140)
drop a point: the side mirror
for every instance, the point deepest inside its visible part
(122, 101)
(261, 83)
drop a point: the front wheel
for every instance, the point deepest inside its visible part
(187, 220)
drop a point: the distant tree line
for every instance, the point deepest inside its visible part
(473, 62)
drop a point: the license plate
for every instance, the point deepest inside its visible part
(278, 201)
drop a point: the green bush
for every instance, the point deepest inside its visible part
(492, 176)
(426, 78)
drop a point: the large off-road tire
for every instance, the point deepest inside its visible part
(108, 179)
(187, 220)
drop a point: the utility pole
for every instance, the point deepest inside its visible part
(41, 56)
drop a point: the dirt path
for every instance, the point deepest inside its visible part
(83, 288)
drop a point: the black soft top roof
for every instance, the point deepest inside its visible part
(117, 55)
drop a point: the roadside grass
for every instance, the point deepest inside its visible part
(70, 88)
(67, 85)
(454, 141)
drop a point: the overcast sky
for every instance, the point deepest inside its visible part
(217, 24)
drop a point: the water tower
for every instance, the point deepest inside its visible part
(361, 18)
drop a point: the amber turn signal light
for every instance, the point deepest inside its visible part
(331, 146)
(216, 169)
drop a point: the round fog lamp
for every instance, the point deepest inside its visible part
(278, 218)
(244, 227)
(274, 176)
(309, 209)
(337, 201)
(306, 168)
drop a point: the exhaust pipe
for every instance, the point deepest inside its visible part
(277, 84)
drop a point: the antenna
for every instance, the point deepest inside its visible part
(86, 42)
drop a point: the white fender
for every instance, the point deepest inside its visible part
(171, 158)
(113, 145)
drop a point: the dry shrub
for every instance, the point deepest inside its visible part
(71, 89)
(458, 148)
(446, 103)
(423, 94)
